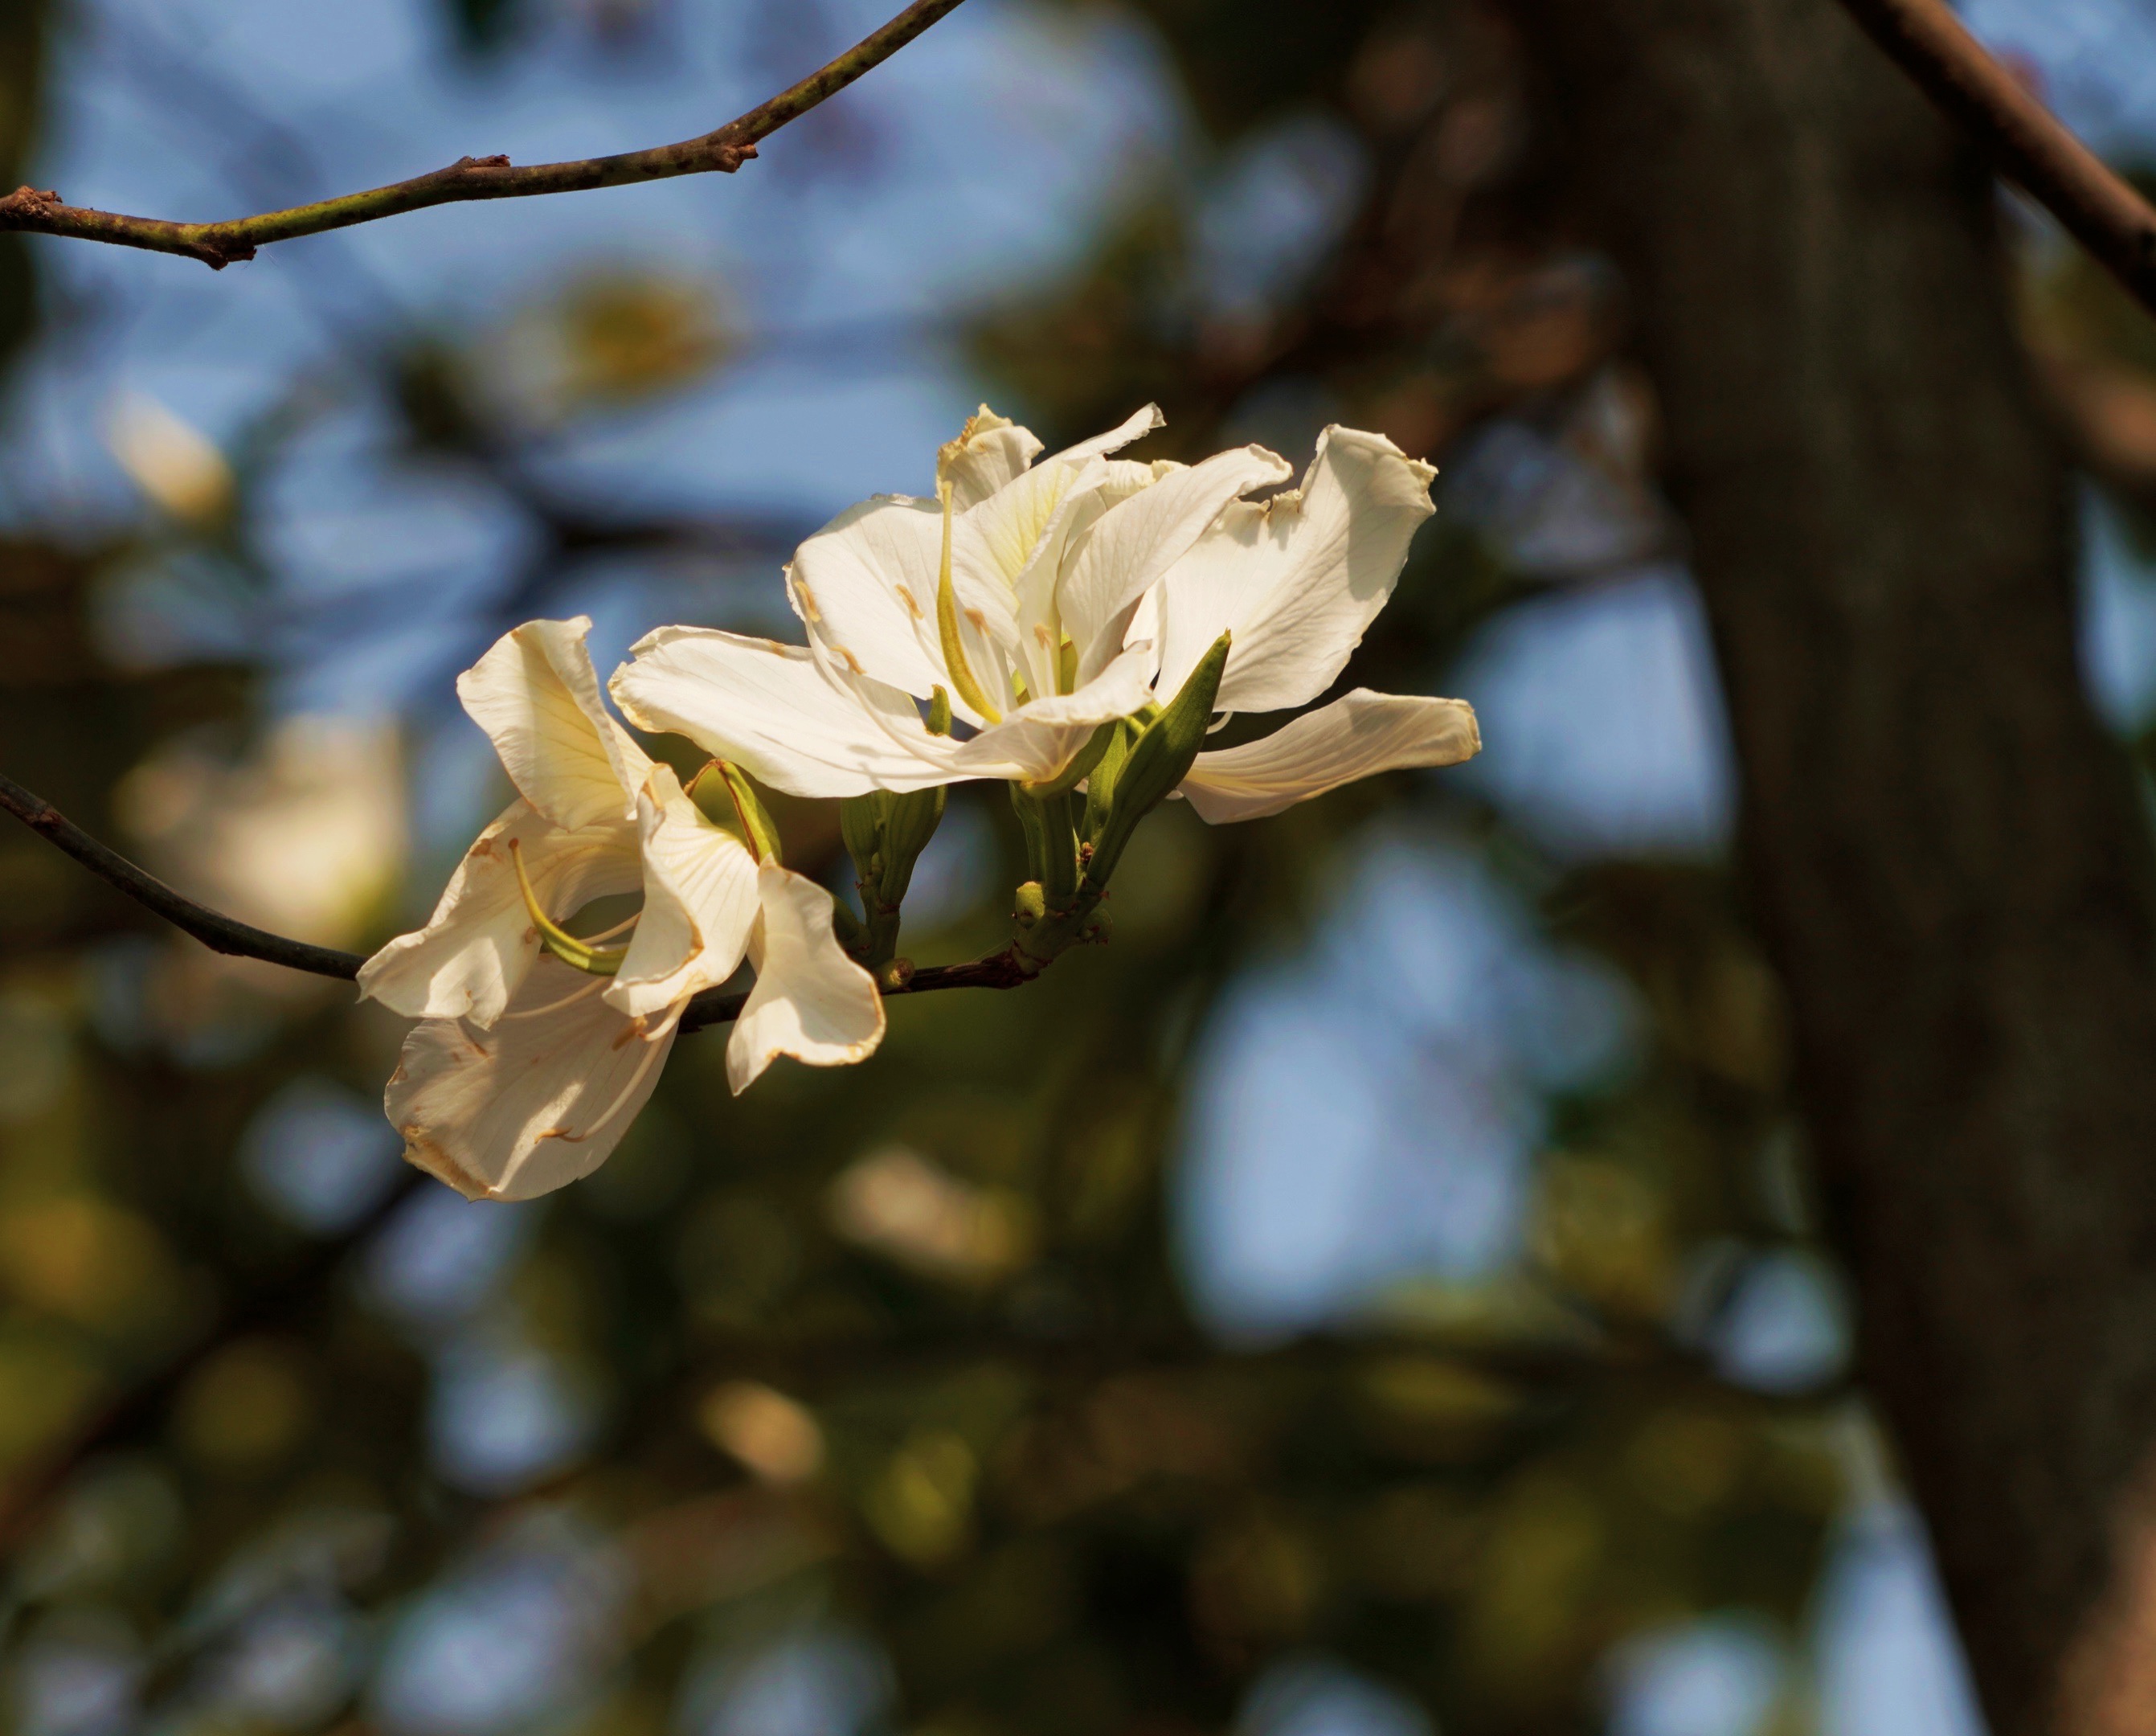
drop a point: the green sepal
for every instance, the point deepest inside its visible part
(1100, 785)
(728, 797)
(1155, 762)
(1080, 767)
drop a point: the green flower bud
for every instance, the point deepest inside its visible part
(1080, 769)
(1155, 762)
(885, 834)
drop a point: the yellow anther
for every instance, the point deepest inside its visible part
(946, 625)
(577, 954)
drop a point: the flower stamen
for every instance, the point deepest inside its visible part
(947, 625)
(577, 954)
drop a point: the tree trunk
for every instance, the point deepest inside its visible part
(1943, 849)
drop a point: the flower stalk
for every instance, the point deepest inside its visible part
(885, 834)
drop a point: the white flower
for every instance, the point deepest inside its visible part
(524, 1073)
(1040, 600)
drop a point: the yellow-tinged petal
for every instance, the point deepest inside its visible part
(990, 451)
(1125, 551)
(810, 1001)
(700, 903)
(536, 696)
(1298, 578)
(1358, 735)
(469, 959)
(770, 707)
(537, 1101)
(865, 584)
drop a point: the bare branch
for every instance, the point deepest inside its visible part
(2029, 145)
(218, 244)
(219, 934)
(222, 933)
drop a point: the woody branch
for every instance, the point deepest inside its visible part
(721, 151)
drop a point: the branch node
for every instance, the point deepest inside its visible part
(29, 202)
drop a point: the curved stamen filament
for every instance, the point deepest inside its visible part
(946, 625)
(577, 954)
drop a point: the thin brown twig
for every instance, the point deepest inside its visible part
(219, 934)
(236, 939)
(2029, 145)
(721, 151)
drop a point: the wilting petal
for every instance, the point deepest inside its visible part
(537, 1101)
(1298, 578)
(769, 707)
(469, 959)
(699, 903)
(810, 1001)
(992, 450)
(1130, 546)
(867, 583)
(536, 696)
(1356, 735)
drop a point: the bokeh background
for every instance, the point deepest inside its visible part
(1379, 1294)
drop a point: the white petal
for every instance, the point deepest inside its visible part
(866, 583)
(1127, 476)
(1356, 735)
(532, 1104)
(810, 1001)
(1132, 545)
(766, 707)
(536, 696)
(1135, 426)
(1011, 545)
(998, 538)
(1039, 740)
(699, 903)
(991, 451)
(1010, 552)
(469, 959)
(1298, 578)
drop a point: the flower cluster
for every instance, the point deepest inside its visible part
(1075, 626)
